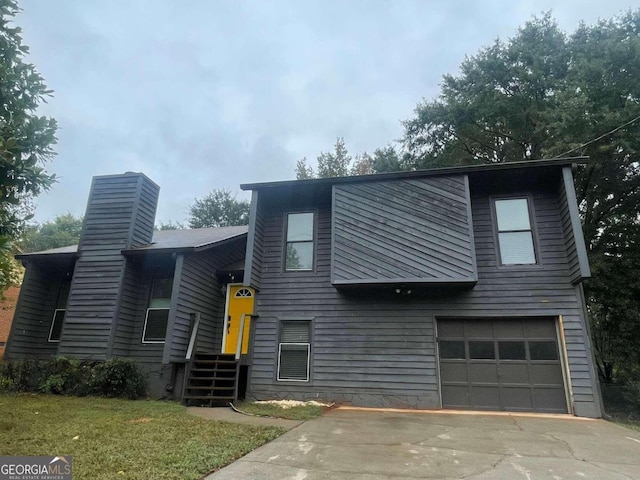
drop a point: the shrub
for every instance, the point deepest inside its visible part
(6, 384)
(21, 376)
(66, 376)
(118, 377)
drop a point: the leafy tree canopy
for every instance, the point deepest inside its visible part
(170, 225)
(26, 139)
(339, 163)
(62, 231)
(218, 209)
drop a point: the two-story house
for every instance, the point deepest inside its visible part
(451, 288)
(454, 288)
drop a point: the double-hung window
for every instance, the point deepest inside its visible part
(155, 322)
(294, 350)
(515, 235)
(59, 313)
(299, 244)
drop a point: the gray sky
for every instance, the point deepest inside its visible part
(201, 95)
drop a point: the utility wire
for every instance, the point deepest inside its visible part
(599, 138)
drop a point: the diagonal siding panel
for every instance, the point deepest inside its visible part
(413, 230)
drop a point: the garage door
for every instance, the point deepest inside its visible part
(506, 364)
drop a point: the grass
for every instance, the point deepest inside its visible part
(124, 438)
(629, 424)
(303, 412)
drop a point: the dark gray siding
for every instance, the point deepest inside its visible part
(574, 238)
(34, 313)
(115, 203)
(144, 352)
(255, 245)
(129, 312)
(143, 270)
(200, 291)
(373, 347)
(401, 231)
(144, 218)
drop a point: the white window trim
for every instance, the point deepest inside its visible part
(55, 313)
(530, 230)
(144, 329)
(308, 345)
(312, 242)
(246, 293)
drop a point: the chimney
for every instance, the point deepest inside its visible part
(120, 215)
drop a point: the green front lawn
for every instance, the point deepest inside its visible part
(112, 438)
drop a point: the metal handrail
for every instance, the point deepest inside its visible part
(194, 334)
(240, 337)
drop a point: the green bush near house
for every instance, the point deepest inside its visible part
(117, 377)
(66, 376)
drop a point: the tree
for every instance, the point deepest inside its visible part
(543, 94)
(386, 160)
(218, 209)
(304, 171)
(26, 139)
(334, 164)
(338, 163)
(170, 225)
(64, 230)
(363, 165)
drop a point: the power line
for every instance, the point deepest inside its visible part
(599, 138)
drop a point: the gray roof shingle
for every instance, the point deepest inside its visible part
(190, 239)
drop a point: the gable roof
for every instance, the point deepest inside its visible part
(376, 177)
(192, 240)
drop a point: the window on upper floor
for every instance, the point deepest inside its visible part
(156, 319)
(299, 242)
(294, 350)
(55, 331)
(515, 235)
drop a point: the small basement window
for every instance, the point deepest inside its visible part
(294, 351)
(515, 236)
(157, 317)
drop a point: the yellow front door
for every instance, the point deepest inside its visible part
(239, 304)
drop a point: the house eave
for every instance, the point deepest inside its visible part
(149, 250)
(464, 169)
(46, 256)
(406, 282)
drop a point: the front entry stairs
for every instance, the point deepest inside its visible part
(211, 380)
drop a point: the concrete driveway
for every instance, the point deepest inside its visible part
(373, 445)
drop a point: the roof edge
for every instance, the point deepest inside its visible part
(461, 169)
(192, 249)
(44, 254)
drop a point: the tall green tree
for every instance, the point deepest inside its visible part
(329, 164)
(339, 163)
(387, 160)
(26, 139)
(545, 93)
(336, 163)
(62, 231)
(304, 170)
(220, 208)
